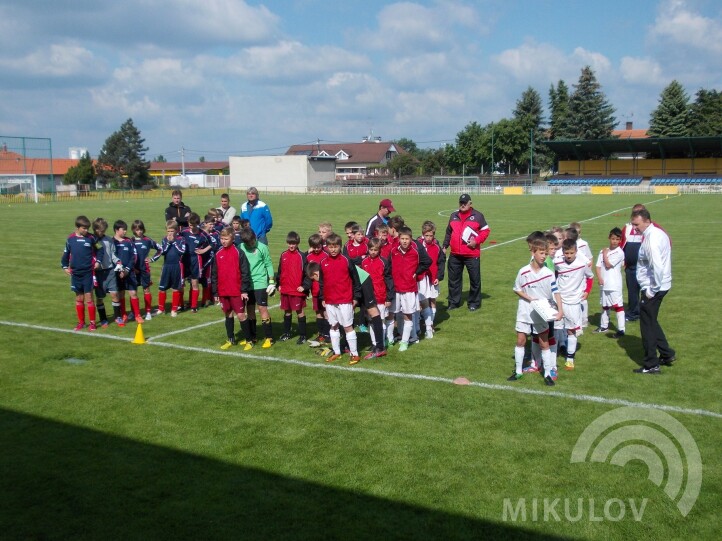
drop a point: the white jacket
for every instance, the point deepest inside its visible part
(654, 267)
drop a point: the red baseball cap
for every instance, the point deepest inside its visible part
(388, 204)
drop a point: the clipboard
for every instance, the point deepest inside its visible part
(467, 234)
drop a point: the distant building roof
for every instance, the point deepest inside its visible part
(190, 167)
(367, 152)
(14, 163)
(630, 134)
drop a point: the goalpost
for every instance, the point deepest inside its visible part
(18, 184)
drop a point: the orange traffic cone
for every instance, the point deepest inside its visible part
(139, 338)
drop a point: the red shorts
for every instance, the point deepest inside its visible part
(292, 302)
(317, 307)
(234, 304)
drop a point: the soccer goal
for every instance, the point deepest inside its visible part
(19, 184)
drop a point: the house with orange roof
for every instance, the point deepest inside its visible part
(49, 172)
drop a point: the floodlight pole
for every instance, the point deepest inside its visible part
(183, 162)
(531, 157)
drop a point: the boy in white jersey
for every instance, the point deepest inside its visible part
(535, 281)
(574, 281)
(609, 276)
(586, 251)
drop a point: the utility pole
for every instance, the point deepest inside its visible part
(183, 161)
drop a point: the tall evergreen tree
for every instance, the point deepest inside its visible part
(591, 116)
(705, 115)
(529, 115)
(559, 111)
(529, 110)
(121, 161)
(671, 117)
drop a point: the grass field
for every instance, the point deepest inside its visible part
(104, 439)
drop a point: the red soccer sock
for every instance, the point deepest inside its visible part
(80, 310)
(206, 294)
(91, 311)
(148, 299)
(194, 298)
(176, 300)
(161, 301)
(135, 306)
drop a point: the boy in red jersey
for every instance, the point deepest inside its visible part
(408, 261)
(316, 254)
(379, 271)
(79, 261)
(382, 233)
(231, 282)
(341, 292)
(293, 286)
(429, 282)
(143, 246)
(357, 246)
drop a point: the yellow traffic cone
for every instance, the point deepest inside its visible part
(139, 338)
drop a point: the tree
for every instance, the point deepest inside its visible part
(705, 115)
(511, 145)
(401, 164)
(671, 117)
(529, 115)
(559, 111)
(160, 159)
(408, 145)
(202, 159)
(591, 115)
(81, 173)
(433, 161)
(467, 154)
(121, 161)
(529, 110)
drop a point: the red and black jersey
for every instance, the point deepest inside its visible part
(292, 273)
(438, 259)
(310, 256)
(339, 280)
(230, 273)
(356, 251)
(379, 269)
(458, 222)
(407, 266)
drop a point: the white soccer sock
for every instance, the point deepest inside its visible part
(604, 322)
(427, 316)
(433, 314)
(336, 341)
(406, 331)
(546, 356)
(621, 321)
(585, 311)
(390, 330)
(352, 342)
(519, 358)
(571, 345)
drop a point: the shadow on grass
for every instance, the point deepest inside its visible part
(62, 482)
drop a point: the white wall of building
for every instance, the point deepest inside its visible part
(280, 173)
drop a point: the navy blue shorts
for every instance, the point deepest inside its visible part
(81, 283)
(192, 267)
(171, 277)
(142, 276)
(127, 283)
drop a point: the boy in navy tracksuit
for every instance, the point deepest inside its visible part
(171, 275)
(126, 277)
(143, 247)
(79, 261)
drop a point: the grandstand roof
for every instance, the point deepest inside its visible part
(664, 146)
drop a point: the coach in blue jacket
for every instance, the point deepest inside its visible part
(258, 214)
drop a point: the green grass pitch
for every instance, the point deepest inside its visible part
(174, 439)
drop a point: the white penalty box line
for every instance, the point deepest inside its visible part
(384, 373)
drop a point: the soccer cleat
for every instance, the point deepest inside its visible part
(229, 343)
(194, 310)
(104, 324)
(119, 322)
(618, 334)
(301, 340)
(313, 343)
(380, 353)
(148, 316)
(354, 359)
(370, 355)
(403, 346)
(667, 361)
(173, 313)
(334, 357)
(429, 333)
(324, 352)
(125, 318)
(514, 377)
(549, 381)
(553, 374)
(248, 346)
(643, 370)
(362, 328)
(600, 330)
(267, 343)
(569, 365)
(92, 326)
(159, 312)
(284, 337)
(531, 369)
(79, 327)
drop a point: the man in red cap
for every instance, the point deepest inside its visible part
(386, 207)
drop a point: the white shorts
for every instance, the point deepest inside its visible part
(383, 311)
(427, 290)
(611, 298)
(341, 314)
(408, 303)
(538, 326)
(572, 316)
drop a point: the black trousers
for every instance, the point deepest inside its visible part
(653, 338)
(456, 279)
(632, 293)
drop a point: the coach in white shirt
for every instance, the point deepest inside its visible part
(654, 274)
(226, 209)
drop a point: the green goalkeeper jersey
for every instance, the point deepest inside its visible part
(259, 261)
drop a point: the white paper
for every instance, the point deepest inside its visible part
(544, 309)
(467, 233)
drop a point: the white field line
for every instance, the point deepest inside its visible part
(399, 375)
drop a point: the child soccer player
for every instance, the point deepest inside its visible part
(348, 228)
(573, 274)
(196, 245)
(324, 229)
(263, 284)
(171, 275)
(586, 250)
(231, 282)
(316, 254)
(609, 274)
(79, 261)
(429, 283)
(535, 281)
(237, 226)
(341, 291)
(379, 271)
(105, 274)
(293, 286)
(382, 233)
(407, 262)
(212, 241)
(357, 245)
(143, 246)
(126, 277)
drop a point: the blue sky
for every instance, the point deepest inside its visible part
(233, 77)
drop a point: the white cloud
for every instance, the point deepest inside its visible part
(57, 60)
(641, 71)
(678, 23)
